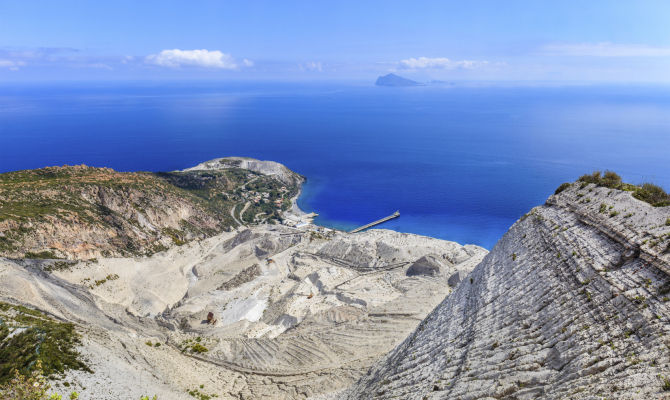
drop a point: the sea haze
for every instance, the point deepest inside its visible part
(460, 162)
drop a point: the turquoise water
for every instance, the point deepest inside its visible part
(460, 163)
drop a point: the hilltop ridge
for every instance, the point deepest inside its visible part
(81, 212)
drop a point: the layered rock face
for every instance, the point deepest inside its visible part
(571, 303)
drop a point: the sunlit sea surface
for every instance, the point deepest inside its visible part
(459, 162)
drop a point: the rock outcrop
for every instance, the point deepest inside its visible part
(427, 265)
(572, 303)
(456, 278)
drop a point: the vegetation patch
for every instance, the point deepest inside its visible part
(652, 194)
(58, 266)
(44, 255)
(563, 187)
(31, 387)
(200, 395)
(28, 336)
(666, 384)
(193, 346)
(647, 192)
(110, 277)
(609, 179)
(176, 235)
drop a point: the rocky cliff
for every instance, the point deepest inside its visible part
(572, 303)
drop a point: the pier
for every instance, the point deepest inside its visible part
(377, 222)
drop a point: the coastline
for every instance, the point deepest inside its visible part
(295, 208)
(297, 217)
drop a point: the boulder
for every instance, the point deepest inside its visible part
(425, 266)
(456, 278)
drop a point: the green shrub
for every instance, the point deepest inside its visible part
(562, 187)
(58, 266)
(652, 194)
(603, 208)
(32, 386)
(647, 192)
(199, 395)
(198, 348)
(593, 178)
(45, 255)
(56, 342)
(611, 180)
(666, 384)
(667, 222)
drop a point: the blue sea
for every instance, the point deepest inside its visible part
(460, 162)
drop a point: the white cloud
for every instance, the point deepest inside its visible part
(439, 63)
(312, 66)
(11, 65)
(196, 58)
(604, 49)
(99, 66)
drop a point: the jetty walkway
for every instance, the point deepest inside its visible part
(377, 222)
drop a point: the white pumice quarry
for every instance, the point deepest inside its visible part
(572, 303)
(308, 322)
(295, 312)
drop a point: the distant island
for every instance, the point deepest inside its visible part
(395, 81)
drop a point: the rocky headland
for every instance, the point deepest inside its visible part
(81, 212)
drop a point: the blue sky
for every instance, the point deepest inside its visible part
(585, 41)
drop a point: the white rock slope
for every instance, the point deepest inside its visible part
(298, 313)
(572, 303)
